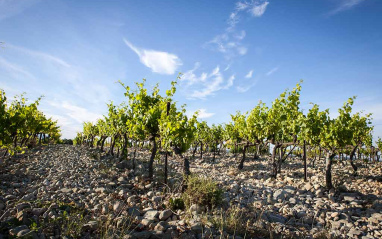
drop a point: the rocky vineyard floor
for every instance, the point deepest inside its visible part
(63, 191)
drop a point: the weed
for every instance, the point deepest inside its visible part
(203, 192)
(176, 204)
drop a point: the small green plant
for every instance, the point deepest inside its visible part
(176, 204)
(231, 221)
(34, 226)
(203, 192)
(94, 155)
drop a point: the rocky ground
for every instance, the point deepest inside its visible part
(65, 191)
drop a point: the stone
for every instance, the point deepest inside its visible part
(10, 197)
(319, 193)
(27, 234)
(151, 214)
(29, 197)
(292, 201)
(276, 218)
(143, 234)
(308, 186)
(16, 230)
(146, 222)
(66, 190)
(280, 194)
(197, 227)
(133, 212)
(121, 179)
(117, 206)
(90, 226)
(349, 198)
(354, 232)
(104, 209)
(38, 211)
(161, 226)
(132, 199)
(165, 214)
(101, 190)
(157, 199)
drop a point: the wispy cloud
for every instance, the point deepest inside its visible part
(191, 78)
(203, 114)
(42, 73)
(258, 9)
(227, 67)
(67, 126)
(229, 82)
(255, 8)
(247, 87)
(242, 89)
(208, 84)
(249, 75)
(75, 112)
(42, 55)
(158, 61)
(272, 71)
(344, 6)
(250, 81)
(14, 69)
(230, 42)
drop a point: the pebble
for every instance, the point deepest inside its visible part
(69, 176)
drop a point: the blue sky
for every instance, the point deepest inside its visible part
(232, 53)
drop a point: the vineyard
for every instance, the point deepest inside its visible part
(23, 125)
(155, 120)
(148, 169)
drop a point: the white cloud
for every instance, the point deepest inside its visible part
(255, 8)
(61, 120)
(258, 9)
(229, 42)
(191, 78)
(158, 61)
(233, 19)
(249, 75)
(272, 71)
(345, 5)
(76, 113)
(69, 116)
(213, 82)
(229, 82)
(240, 6)
(203, 114)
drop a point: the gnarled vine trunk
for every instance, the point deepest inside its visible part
(274, 163)
(165, 168)
(153, 153)
(352, 154)
(241, 164)
(328, 170)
